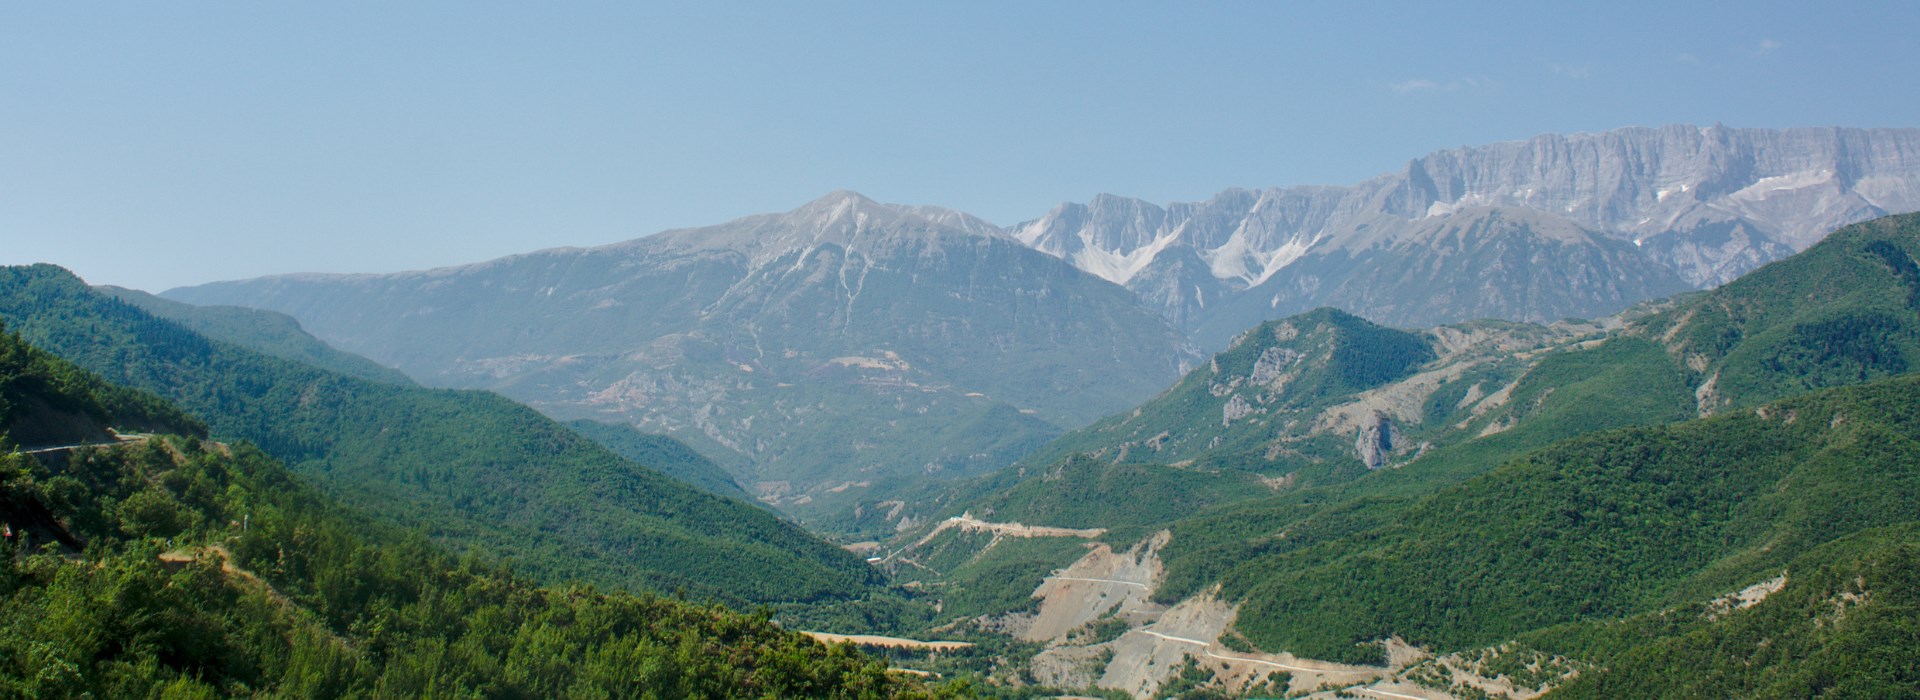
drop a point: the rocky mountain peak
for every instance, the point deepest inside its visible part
(1700, 205)
(838, 204)
(841, 218)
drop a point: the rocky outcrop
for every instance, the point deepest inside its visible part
(1235, 409)
(1268, 371)
(1376, 440)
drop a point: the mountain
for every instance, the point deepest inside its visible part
(1557, 498)
(829, 345)
(1326, 394)
(815, 351)
(471, 468)
(1537, 230)
(171, 566)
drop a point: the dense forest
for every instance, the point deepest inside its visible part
(1602, 526)
(1632, 475)
(470, 468)
(664, 453)
(179, 567)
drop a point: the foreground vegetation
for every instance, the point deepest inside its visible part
(471, 469)
(179, 567)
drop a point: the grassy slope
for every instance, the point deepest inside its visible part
(1608, 525)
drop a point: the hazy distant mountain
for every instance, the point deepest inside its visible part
(1534, 230)
(840, 343)
(850, 345)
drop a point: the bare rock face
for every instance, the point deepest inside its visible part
(1272, 363)
(1375, 440)
(1600, 221)
(1236, 409)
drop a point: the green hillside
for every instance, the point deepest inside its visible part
(45, 402)
(1228, 411)
(1562, 488)
(267, 332)
(1655, 370)
(181, 568)
(664, 454)
(1080, 492)
(1287, 399)
(470, 468)
(1845, 623)
(1602, 526)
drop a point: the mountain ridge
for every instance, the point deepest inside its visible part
(827, 345)
(1563, 498)
(473, 468)
(1706, 203)
(901, 320)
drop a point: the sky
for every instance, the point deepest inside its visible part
(154, 145)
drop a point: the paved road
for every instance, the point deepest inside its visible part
(124, 439)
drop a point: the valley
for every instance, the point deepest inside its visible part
(847, 352)
(1406, 578)
(908, 431)
(941, 351)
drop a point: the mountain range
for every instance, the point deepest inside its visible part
(1552, 227)
(1485, 507)
(833, 347)
(1703, 493)
(834, 356)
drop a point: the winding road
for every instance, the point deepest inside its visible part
(119, 440)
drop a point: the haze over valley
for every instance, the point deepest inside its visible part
(1028, 351)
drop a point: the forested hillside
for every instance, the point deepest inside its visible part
(178, 567)
(470, 468)
(1318, 399)
(1604, 526)
(1544, 497)
(1759, 338)
(1843, 620)
(663, 453)
(267, 332)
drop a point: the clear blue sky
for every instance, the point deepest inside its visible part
(159, 144)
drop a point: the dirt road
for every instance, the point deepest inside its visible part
(874, 640)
